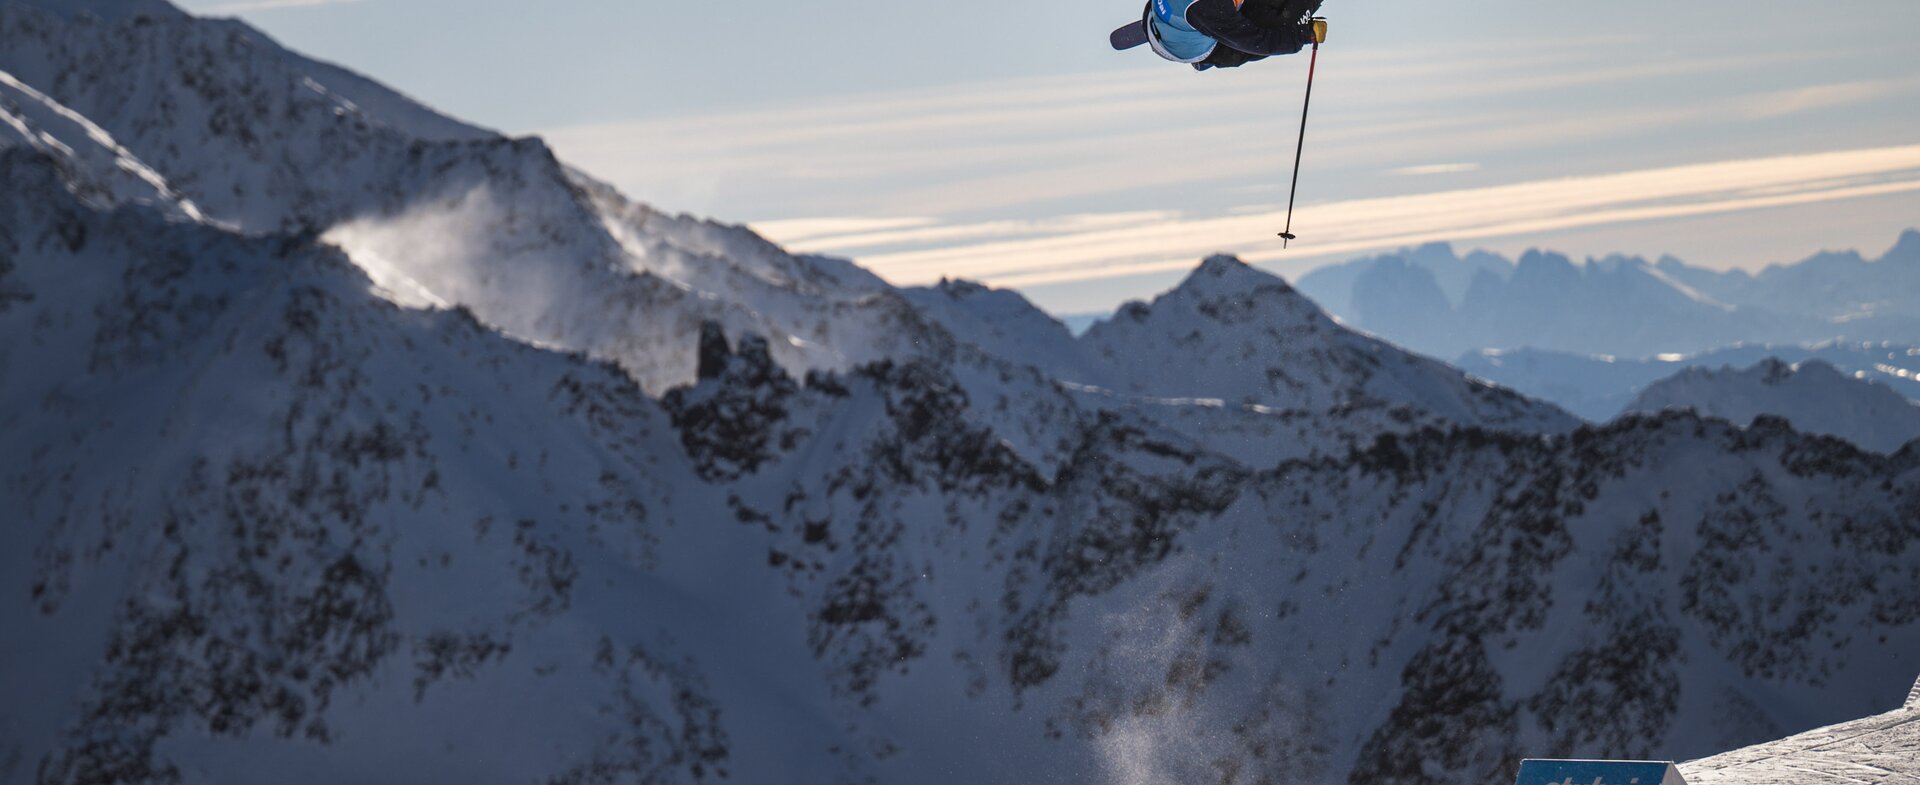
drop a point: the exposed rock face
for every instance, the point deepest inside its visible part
(733, 425)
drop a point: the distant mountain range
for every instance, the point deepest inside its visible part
(1434, 301)
(1599, 388)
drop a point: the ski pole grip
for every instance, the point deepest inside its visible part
(1319, 31)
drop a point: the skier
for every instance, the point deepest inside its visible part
(1227, 33)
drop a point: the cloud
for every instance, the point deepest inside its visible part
(1433, 169)
(882, 232)
(1094, 246)
(819, 230)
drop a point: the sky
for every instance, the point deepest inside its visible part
(1007, 143)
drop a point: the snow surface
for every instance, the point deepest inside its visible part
(108, 173)
(1813, 395)
(1879, 749)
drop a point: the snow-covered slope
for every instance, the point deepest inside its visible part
(1812, 395)
(1232, 332)
(271, 526)
(104, 172)
(437, 211)
(1882, 748)
(1003, 323)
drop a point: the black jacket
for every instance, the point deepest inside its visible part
(1260, 28)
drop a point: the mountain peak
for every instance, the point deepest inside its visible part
(1433, 255)
(1227, 273)
(1233, 333)
(1222, 264)
(961, 288)
(1774, 370)
(1539, 262)
(1906, 249)
(1226, 290)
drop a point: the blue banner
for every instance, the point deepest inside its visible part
(1597, 772)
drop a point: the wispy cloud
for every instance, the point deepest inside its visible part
(1090, 247)
(926, 231)
(1432, 169)
(797, 230)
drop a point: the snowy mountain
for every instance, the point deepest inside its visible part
(1236, 333)
(450, 463)
(438, 212)
(1599, 388)
(1238, 360)
(1812, 395)
(1620, 306)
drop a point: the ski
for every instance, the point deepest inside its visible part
(1129, 36)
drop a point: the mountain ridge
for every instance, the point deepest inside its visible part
(1600, 388)
(1627, 306)
(1813, 395)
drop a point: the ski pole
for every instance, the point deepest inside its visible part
(1300, 148)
